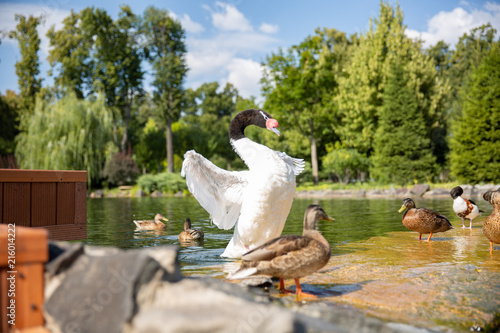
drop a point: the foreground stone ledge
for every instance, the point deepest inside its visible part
(100, 289)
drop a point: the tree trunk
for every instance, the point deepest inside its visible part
(170, 146)
(125, 129)
(314, 154)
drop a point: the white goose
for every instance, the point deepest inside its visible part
(257, 201)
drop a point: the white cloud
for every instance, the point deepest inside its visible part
(52, 16)
(190, 25)
(449, 26)
(229, 18)
(269, 28)
(245, 75)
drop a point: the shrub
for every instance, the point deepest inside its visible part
(120, 169)
(165, 182)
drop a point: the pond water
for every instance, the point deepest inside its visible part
(377, 265)
(110, 223)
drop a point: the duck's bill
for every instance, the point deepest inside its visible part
(403, 207)
(328, 218)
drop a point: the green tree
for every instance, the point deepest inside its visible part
(67, 134)
(9, 121)
(345, 163)
(402, 146)
(28, 68)
(298, 85)
(475, 140)
(165, 49)
(361, 91)
(149, 152)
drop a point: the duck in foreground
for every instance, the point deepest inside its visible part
(491, 225)
(291, 256)
(189, 234)
(464, 208)
(155, 224)
(423, 220)
(256, 202)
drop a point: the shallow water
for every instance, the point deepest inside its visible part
(377, 264)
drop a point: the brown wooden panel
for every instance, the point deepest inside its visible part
(1, 202)
(44, 176)
(43, 204)
(81, 203)
(67, 232)
(65, 203)
(17, 203)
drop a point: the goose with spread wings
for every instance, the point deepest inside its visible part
(256, 202)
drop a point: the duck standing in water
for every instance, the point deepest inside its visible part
(291, 256)
(491, 225)
(464, 208)
(423, 220)
(155, 224)
(189, 234)
(255, 202)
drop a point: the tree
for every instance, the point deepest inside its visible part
(298, 85)
(67, 134)
(9, 121)
(402, 151)
(361, 91)
(165, 49)
(28, 68)
(96, 54)
(345, 163)
(475, 140)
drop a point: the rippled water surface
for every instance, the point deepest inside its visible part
(110, 223)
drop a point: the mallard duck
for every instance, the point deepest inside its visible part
(464, 208)
(491, 225)
(291, 256)
(423, 220)
(155, 224)
(189, 234)
(256, 202)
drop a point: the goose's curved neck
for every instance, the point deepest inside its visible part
(240, 122)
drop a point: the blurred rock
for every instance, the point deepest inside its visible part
(419, 189)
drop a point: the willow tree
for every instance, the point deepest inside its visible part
(28, 67)
(298, 85)
(67, 134)
(361, 91)
(165, 49)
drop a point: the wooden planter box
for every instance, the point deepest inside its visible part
(50, 199)
(22, 257)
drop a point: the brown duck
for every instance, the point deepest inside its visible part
(423, 220)
(155, 224)
(291, 256)
(491, 225)
(189, 234)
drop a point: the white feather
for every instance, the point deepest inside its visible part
(241, 274)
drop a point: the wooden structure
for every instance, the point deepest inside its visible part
(21, 278)
(51, 199)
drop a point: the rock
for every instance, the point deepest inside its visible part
(156, 194)
(437, 192)
(93, 290)
(140, 193)
(419, 189)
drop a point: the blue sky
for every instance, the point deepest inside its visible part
(228, 40)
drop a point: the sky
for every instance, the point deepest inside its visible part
(227, 41)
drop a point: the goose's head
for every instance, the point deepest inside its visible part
(313, 214)
(456, 192)
(407, 203)
(251, 117)
(160, 218)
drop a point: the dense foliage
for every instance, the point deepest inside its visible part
(374, 106)
(476, 132)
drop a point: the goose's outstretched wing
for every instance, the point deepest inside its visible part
(219, 191)
(297, 164)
